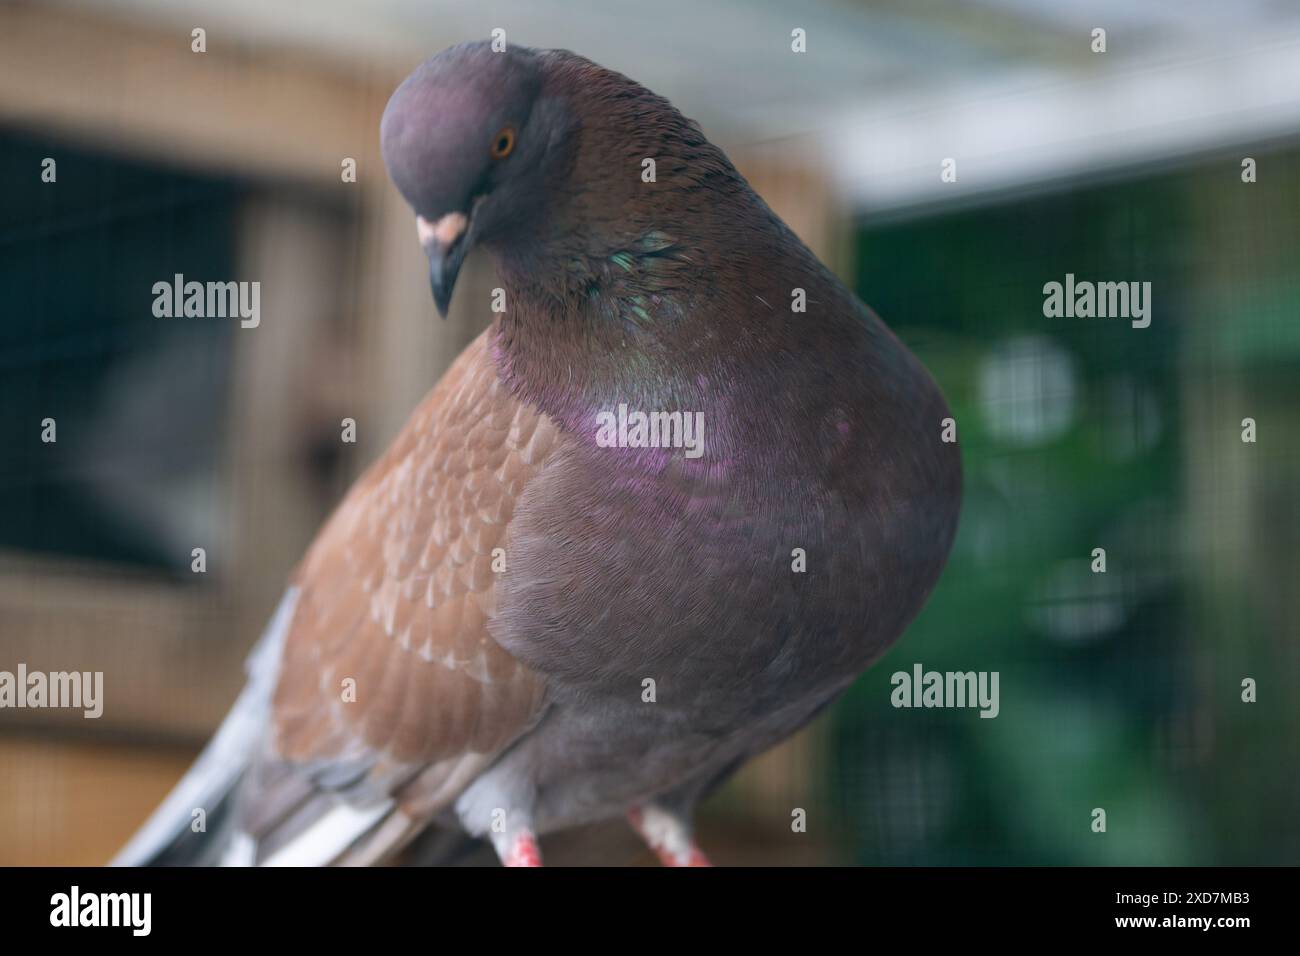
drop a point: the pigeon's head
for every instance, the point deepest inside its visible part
(468, 146)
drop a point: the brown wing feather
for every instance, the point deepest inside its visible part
(397, 592)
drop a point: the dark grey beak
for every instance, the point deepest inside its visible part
(442, 277)
(444, 244)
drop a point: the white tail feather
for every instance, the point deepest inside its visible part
(226, 756)
(329, 837)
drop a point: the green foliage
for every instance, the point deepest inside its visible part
(1119, 690)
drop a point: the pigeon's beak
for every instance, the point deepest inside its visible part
(443, 243)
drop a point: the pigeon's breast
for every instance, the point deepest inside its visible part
(692, 613)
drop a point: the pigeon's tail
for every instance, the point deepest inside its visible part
(171, 835)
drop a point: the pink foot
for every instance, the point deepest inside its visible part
(524, 851)
(697, 858)
(667, 835)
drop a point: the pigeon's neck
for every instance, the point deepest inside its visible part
(577, 350)
(616, 313)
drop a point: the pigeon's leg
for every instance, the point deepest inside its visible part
(517, 847)
(668, 834)
(498, 806)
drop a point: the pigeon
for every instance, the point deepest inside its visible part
(670, 504)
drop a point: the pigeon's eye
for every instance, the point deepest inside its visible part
(503, 143)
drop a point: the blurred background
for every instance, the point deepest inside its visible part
(1120, 690)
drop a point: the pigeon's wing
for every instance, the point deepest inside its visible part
(392, 693)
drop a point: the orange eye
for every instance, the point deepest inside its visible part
(503, 143)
